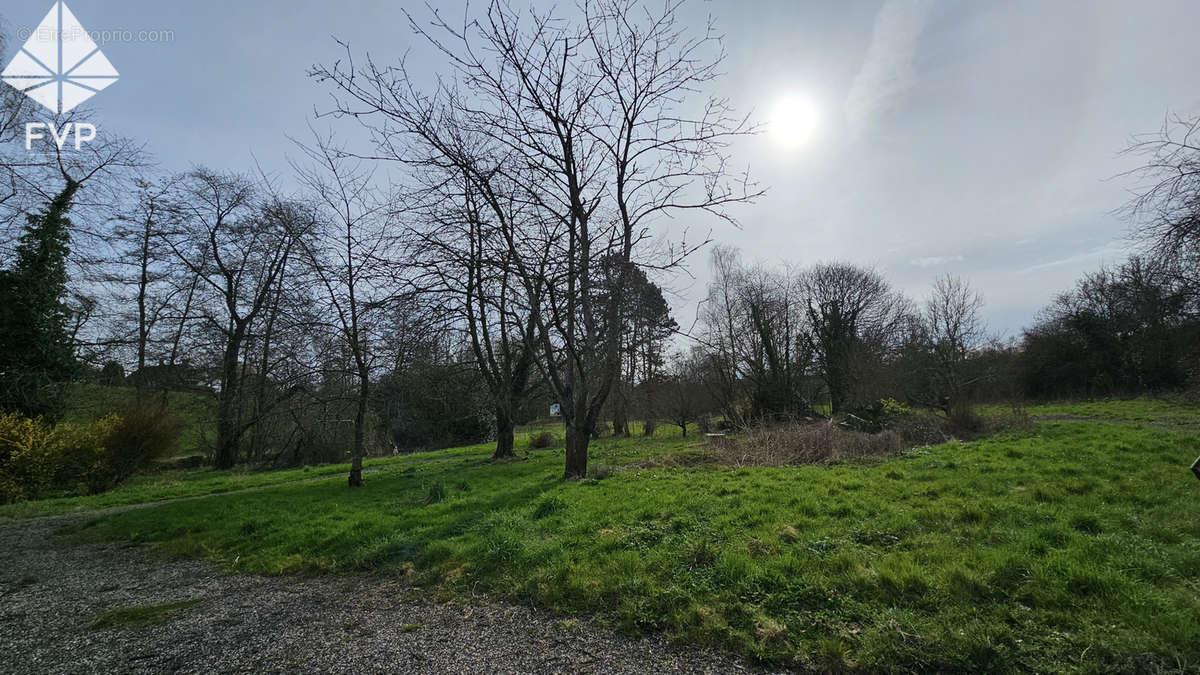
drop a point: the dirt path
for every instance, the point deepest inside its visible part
(52, 588)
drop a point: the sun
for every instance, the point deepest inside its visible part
(794, 120)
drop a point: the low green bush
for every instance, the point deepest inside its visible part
(877, 415)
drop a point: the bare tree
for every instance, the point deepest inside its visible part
(724, 335)
(350, 257)
(685, 400)
(955, 329)
(47, 311)
(15, 109)
(1166, 205)
(141, 269)
(466, 260)
(237, 248)
(590, 125)
(753, 323)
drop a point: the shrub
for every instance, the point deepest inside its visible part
(143, 433)
(38, 459)
(921, 428)
(24, 445)
(80, 458)
(541, 440)
(964, 421)
(803, 444)
(877, 415)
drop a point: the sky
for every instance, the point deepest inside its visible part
(978, 139)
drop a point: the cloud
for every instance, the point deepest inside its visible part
(889, 68)
(1100, 253)
(936, 260)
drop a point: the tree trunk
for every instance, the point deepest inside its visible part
(578, 437)
(648, 427)
(360, 433)
(620, 420)
(227, 407)
(838, 391)
(504, 434)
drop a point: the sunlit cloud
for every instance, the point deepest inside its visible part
(889, 68)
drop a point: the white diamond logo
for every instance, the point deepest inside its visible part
(60, 65)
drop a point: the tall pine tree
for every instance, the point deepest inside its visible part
(36, 355)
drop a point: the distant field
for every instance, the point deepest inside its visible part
(1155, 410)
(1073, 546)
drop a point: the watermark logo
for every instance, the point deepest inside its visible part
(60, 65)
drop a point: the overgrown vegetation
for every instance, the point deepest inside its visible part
(38, 459)
(543, 439)
(1028, 550)
(195, 412)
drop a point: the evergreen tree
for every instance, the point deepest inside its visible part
(36, 354)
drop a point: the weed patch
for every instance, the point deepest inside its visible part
(136, 617)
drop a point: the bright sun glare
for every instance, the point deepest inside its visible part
(793, 121)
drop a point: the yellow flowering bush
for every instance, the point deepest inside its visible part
(37, 458)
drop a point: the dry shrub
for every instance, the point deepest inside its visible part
(542, 440)
(921, 429)
(804, 444)
(145, 432)
(964, 421)
(1014, 418)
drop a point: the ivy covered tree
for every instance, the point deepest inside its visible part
(36, 353)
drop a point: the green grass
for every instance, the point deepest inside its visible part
(1074, 546)
(1153, 410)
(183, 483)
(136, 617)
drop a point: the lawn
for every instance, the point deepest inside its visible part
(1074, 545)
(1149, 410)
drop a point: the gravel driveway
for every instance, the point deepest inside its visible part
(51, 590)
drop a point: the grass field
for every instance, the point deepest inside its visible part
(171, 485)
(1075, 545)
(1149, 410)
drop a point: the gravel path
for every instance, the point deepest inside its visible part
(51, 589)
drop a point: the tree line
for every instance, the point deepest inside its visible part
(495, 246)
(512, 227)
